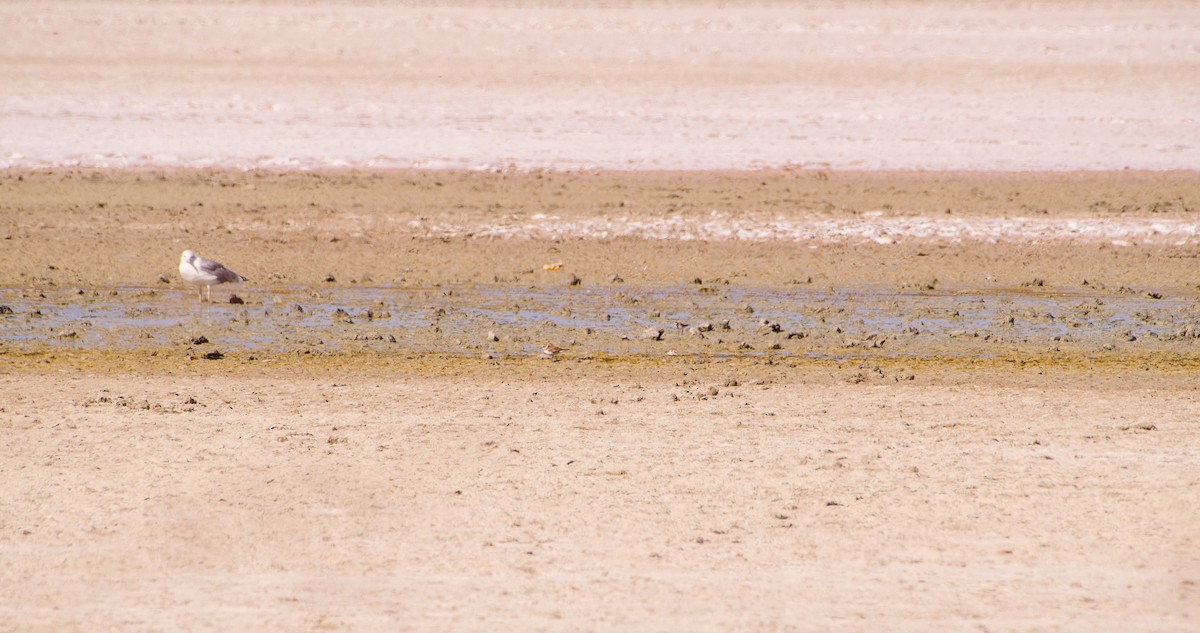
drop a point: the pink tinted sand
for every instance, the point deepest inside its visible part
(1038, 86)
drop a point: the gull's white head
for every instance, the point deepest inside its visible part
(187, 256)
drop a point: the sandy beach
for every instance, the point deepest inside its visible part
(647, 502)
(827, 362)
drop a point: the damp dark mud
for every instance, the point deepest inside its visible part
(446, 271)
(615, 322)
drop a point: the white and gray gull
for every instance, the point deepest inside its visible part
(205, 272)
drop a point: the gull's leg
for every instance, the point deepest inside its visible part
(199, 294)
(208, 291)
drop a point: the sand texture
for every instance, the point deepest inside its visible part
(635, 502)
(614, 85)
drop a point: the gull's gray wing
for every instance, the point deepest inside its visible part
(218, 270)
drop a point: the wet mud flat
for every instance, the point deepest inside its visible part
(615, 322)
(797, 266)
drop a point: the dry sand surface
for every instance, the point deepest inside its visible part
(391, 465)
(559, 501)
(691, 84)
